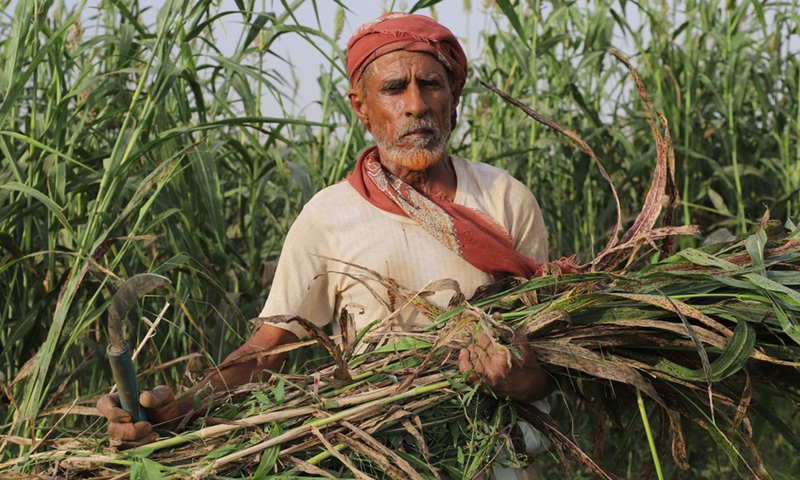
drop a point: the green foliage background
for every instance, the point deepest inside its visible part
(142, 147)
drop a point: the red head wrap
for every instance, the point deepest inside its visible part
(400, 31)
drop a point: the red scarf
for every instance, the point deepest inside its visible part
(465, 231)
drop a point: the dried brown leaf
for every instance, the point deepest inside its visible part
(305, 467)
(744, 405)
(599, 436)
(335, 351)
(349, 333)
(676, 306)
(382, 450)
(573, 357)
(345, 461)
(578, 141)
(542, 321)
(668, 243)
(413, 426)
(409, 296)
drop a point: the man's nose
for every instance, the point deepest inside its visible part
(416, 103)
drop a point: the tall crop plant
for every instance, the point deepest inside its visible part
(129, 147)
(725, 75)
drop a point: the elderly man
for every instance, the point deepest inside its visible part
(408, 211)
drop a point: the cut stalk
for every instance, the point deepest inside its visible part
(305, 429)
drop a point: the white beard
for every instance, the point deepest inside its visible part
(422, 152)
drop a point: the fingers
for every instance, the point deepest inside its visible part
(505, 333)
(474, 355)
(465, 361)
(157, 397)
(507, 369)
(126, 433)
(139, 432)
(483, 340)
(471, 363)
(109, 408)
(125, 445)
(162, 408)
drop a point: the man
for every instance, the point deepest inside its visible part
(409, 211)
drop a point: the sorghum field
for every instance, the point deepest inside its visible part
(129, 143)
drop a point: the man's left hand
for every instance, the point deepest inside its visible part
(521, 379)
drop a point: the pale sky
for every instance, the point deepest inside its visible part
(467, 26)
(306, 60)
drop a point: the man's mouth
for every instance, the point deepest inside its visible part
(419, 132)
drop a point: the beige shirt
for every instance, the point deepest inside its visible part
(337, 227)
(316, 275)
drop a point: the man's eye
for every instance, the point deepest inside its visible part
(393, 88)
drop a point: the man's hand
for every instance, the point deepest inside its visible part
(161, 410)
(521, 379)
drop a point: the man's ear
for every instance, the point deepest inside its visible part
(454, 108)
(359, 107)
(456, 98)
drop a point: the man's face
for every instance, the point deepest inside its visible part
(406, 103)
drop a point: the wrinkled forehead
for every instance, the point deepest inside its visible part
(406, 65)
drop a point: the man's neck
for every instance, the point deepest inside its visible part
(437, 181)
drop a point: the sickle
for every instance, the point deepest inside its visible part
(119, 355)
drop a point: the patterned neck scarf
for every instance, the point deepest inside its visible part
(462, 230)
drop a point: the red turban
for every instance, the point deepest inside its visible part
(400, 31)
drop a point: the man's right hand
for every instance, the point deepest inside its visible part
(163, 411)
(160, 407)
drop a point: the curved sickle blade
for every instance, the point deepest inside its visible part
(128, 294)
(118, 355)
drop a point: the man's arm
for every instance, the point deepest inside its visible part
(164, 410)
(232, 374)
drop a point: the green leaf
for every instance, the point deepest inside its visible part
(222, 451)
(780, 424)
(279, 391)
(513, 18)
(719, 203)
(735, 355)
(159, 176)
(263, 399)
(207, 187)
(755, 248)
(788, 324)
(256, 26)
(423, 4)
(145, 469)
(786, 294)
(45, 200)
(403, 344)
(18, 42)
(701, 258)
(268, 456)
(737, 352)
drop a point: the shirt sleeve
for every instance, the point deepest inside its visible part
(527, 227)
(302, 286)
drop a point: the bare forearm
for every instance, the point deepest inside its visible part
(537, 385)
(230, 377)
(234, 372)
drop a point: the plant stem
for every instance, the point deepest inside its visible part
(650, 440)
